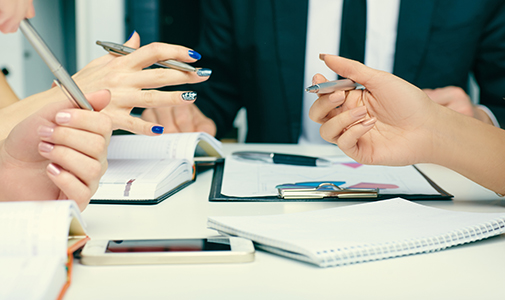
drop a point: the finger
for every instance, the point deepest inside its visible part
(185, 118)
(99, 100)
(351, 69)
(85, 168)
(159, 77)
(133, 41)
(155, 98)
(135, 125)
(80, 120)
(348, 140)
(92, 145)
(70, 185)
(333, 128)
(149, 115)
(148, 55)
(321, 110)
(318, 78)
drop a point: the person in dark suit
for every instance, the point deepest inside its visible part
(257, 52)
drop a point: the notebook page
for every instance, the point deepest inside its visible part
(361, 225)
(167, 146)
(35, 228)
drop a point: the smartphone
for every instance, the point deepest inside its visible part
(168, 251)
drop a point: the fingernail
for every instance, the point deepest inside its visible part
(194, 54)
(131, 35)
(62, 117)
(358, 112)
(189, 96)
(204, 72)
(45, 131)
(157, 129)
(51, 168)
(321, 56)
(45, 147)
(369, 122)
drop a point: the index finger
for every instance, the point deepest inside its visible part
(155, 52)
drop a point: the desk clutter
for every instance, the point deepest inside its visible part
(361, 232)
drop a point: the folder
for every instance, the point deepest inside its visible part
(320, 195)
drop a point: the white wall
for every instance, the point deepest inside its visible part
(94, 20)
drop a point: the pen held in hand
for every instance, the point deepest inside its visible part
(173, 64)
(331, 86)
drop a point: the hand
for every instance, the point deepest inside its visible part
(184, 118)
(59, 152)
(131, 86)
(456, 99)
(384, 124)
(12, 12)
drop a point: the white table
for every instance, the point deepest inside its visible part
(472, 271)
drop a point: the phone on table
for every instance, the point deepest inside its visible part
(168, 251)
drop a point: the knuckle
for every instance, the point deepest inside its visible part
(148, 98)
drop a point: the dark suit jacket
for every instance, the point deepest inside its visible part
(256, 50)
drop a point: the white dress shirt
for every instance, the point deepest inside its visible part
(323, 36)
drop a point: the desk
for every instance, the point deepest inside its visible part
(472, 271)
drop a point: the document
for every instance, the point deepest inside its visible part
(259, 179)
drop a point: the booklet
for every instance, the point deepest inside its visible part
(361, 232)
(149, 169)
(37, 239)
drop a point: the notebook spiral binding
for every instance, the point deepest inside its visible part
(370, 252)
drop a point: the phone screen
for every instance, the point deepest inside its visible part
(170, 245)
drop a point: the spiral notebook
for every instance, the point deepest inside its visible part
(363, 232)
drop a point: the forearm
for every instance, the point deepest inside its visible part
(471, 148)
(13, 114)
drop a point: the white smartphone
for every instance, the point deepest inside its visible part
(168, 251)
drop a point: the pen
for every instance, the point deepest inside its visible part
(287, 159)
(331, 86)
(63, 80)
(124, 50)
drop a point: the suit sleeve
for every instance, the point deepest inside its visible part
(219, 97)
(489, 69)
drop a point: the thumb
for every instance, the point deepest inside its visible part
(133, 41)
(351, 69)
(99, 100)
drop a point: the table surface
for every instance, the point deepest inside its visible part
(470, 271)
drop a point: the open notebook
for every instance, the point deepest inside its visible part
(363, 232)
(148, 169)
(37, 239)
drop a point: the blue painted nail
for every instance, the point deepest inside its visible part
(131, 35)
(189, 96)
(204, 72)
(194, 54)
(157, 129)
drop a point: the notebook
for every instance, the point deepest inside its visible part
(37, 239)
(149, 169)
(361, 232)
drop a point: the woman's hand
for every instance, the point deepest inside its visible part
(12, 12)
(388, 123)
(59, 152)
(132, 85)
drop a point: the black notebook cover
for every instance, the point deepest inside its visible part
(217, 180)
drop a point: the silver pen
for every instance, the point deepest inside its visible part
(63, 80)
(279, 158)
(331, 86)
(124, 50)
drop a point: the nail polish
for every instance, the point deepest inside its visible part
(53, 169)
(194, 54)
(45, 147)
(204, 72)
(131, 35)
(189, 96)
(45, 131)
(62, 117)
(157, 129)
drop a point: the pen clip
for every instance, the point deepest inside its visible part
(67, 94)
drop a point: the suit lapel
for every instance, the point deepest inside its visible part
(290, 47)
(414, 24)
